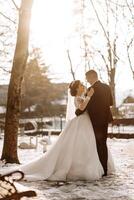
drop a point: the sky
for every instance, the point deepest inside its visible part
(50, 28)
(55, 28)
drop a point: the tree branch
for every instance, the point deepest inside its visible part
(98, 18)
(7, 18)
(15, 4)
(71, 66)
(130, 43)
(130, 10)
(130, 63)
(117, 4)
(5, 70)
(128, 55)
(105, 62)
(100, 22)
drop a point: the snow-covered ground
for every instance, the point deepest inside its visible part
(119, 186)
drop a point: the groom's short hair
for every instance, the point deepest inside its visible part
(92, 73)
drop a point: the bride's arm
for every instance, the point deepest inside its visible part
(83, 104)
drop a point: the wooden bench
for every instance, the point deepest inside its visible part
(10, 189)
(122, 122)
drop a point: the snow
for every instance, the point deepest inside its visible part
(2, 109)
(119, 186)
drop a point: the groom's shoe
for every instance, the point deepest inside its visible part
(105, 174)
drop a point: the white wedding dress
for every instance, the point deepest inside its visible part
(72, 157)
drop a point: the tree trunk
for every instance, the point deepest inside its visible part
(111, 73)
(14, 91)
(112, 85)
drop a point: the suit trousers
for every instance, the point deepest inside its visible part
(101, 142)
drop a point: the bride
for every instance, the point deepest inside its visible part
(74, 155)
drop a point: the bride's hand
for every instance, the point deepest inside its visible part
(90, 92)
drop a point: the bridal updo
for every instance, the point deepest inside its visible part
(73, 87)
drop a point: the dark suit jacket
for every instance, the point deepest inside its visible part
(98, 107)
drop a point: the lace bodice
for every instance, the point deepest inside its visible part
(81, 102)
(77, 101)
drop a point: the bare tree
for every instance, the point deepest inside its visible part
(14, 92)
(71, 65)
(129, 44)
(105, 51)
(82, 34)
(8, 27)
(128, 47)
(110, 59)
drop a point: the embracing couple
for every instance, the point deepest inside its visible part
(80, 152)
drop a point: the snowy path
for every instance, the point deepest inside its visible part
(115, 187)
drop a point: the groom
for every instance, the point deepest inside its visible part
(98, 109)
